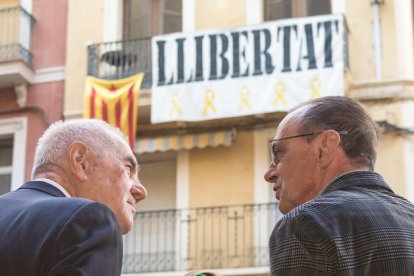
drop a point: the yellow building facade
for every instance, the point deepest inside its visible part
(208, 204)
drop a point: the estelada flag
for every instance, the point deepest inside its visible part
(114, 101)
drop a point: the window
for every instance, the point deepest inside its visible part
(145, 18)
(6, 160)
(12, 153)
(281, 9)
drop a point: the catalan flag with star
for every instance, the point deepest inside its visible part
(114, 101)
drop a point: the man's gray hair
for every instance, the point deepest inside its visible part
(343, 114)
(56, 140)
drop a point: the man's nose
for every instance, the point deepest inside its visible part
(138, 191)
(270, 175)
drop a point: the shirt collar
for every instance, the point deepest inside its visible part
(356, 178)
(54, 184)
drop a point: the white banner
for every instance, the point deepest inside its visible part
(250, 70)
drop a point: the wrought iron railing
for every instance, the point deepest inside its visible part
(120, 59)
(214, 237)
(15, 34)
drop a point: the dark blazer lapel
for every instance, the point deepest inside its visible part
(43, 187)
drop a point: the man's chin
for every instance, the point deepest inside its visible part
(283, 209)
(126, 228)
(126, 223)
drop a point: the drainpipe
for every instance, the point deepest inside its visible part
(377, 37)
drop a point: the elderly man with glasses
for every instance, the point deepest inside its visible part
(340, 217)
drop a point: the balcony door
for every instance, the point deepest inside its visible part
(282, 9)
(146, 18)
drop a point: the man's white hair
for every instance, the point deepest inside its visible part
(56, 140)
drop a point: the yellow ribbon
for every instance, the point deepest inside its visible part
(280, 89)
(209, 97)
(176, 104)
(244, 94)
(315, 86)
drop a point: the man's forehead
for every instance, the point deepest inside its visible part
(290, 124)
(123, 150)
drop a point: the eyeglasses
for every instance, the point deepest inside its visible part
(277, 155)
(295, 136)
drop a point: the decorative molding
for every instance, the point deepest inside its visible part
(50, 74)
(21, 93)
(11, 125)
(15, 73)
(25, 74)
(396, 89)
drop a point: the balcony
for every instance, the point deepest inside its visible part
(15, 37)
(121, 59)
(224, 237)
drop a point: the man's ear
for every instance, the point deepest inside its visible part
(78, 162)
(329, 144)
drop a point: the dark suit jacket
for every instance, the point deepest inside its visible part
(357, 226)
(44, 233)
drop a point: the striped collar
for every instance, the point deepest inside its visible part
(357, 178)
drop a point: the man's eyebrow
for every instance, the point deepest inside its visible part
(132, 160)
(278, 147)
(275, 144)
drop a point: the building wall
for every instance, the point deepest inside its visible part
(218, 14)
(222, 175)
(390, 160)
(9, 3)
(386, 95)
(85, 25)
(49, 33)
(361, 56)
(403, 14)
(158, 175)
(389, 47)
(8, 98)
(263, 191)
(359, 18)
(49, 51)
